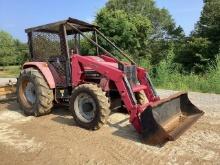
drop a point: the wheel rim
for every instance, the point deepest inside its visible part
(28, 93)
(85, 107)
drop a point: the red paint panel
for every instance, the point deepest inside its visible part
(141, 74)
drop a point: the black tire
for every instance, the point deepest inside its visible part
(102, 106)
(43, 95)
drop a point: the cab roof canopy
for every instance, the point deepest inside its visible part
(55, 27)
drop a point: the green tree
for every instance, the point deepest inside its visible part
(7, 48)
(162, 22)
(194, 55)
(21, 52)
(209, 26)
(140, 28)
(200, 50)
(12, 51)
(129, 32)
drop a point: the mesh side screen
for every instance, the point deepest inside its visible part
(45, 45)
(47, 48)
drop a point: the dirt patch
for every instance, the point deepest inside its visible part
(56, 139)
(15, 138)
(14, 117)
(11, 136)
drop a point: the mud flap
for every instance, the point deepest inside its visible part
(167, 119)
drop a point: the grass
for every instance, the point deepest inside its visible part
(166, 79)
(208, 83)
(9, 71)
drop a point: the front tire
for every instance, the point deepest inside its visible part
(89, 106)
(33, 93)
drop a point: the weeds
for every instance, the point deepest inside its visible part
(168, 78)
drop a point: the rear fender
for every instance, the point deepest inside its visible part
(44, 69)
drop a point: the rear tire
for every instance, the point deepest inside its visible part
(33, 93)
(89, 106)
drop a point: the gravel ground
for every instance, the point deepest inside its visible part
(55, 139)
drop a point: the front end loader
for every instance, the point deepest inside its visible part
(59, 72)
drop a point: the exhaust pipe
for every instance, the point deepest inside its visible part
(166, 119)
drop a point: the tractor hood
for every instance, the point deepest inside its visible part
(101, 60)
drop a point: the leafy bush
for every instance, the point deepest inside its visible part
(172, 79)
(12, 51)
(194, 55)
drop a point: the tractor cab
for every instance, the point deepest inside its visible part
(57, 42)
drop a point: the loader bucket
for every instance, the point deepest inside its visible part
(167, 119)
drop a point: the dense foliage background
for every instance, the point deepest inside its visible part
(151, 37)
(149, 34)
(12, 51)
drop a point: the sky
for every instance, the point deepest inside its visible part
(16, 15)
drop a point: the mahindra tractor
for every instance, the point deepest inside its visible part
(60, 72)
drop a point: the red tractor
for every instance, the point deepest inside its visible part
(60, 73)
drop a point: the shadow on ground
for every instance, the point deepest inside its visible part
(63, 115)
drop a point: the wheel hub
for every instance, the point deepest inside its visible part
(85, 107)
(30, 92)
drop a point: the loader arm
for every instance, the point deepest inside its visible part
(158, 120)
